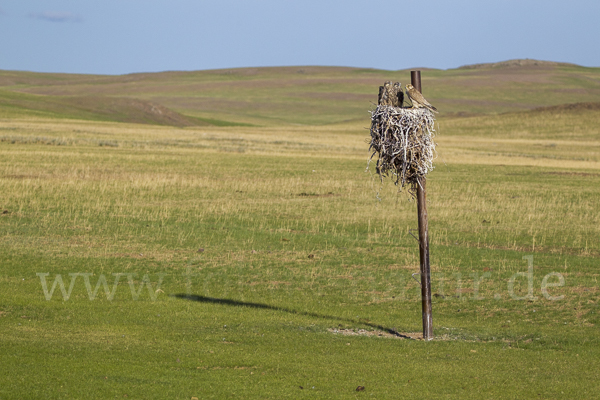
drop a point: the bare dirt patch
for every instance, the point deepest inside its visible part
(329, 194)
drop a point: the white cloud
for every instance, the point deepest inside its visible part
(56, 16)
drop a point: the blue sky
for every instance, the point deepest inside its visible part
(124, 36)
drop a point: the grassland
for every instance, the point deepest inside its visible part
(264, 244)
(288, 95)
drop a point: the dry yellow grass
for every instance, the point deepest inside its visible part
(294, 242)
(149, 173)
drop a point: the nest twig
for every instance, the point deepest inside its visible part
(402, 138)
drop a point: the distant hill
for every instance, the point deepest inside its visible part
(100, 108)
(525, 62)
(274, 96)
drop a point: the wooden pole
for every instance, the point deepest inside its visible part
(415, 78)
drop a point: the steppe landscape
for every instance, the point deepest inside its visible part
(216, 234)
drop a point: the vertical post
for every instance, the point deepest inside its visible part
(415, 78)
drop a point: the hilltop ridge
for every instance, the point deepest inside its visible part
(518, 62)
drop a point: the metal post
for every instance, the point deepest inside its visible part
(415, 78)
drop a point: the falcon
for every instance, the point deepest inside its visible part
(382, 95)
(417, 98)
(391, 95)
(399, 94)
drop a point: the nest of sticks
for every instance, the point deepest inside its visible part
(402, 138)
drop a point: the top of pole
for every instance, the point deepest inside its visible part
(415, 80)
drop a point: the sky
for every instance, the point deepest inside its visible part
(127, 36)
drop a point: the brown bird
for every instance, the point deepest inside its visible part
(382, 93)
(385, 98)
(417, 98)
(399, 94)
(391, 95)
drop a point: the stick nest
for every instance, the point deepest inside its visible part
(402, 138)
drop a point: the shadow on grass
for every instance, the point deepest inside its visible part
(236, 303)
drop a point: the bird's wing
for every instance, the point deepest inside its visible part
(400, 95)
(415, 94)
(428, 104)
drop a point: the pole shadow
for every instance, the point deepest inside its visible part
(237, 303)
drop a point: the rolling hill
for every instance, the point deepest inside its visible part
(273, 96)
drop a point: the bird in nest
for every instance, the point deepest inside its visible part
(391, 95)
(417, 98)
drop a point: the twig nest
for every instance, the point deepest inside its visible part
(402, 138)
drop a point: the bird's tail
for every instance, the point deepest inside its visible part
(432, 108)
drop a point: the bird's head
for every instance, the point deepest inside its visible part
(397, 85)
(409, 86)
(388, 83)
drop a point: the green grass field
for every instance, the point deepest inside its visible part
(239, 259)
